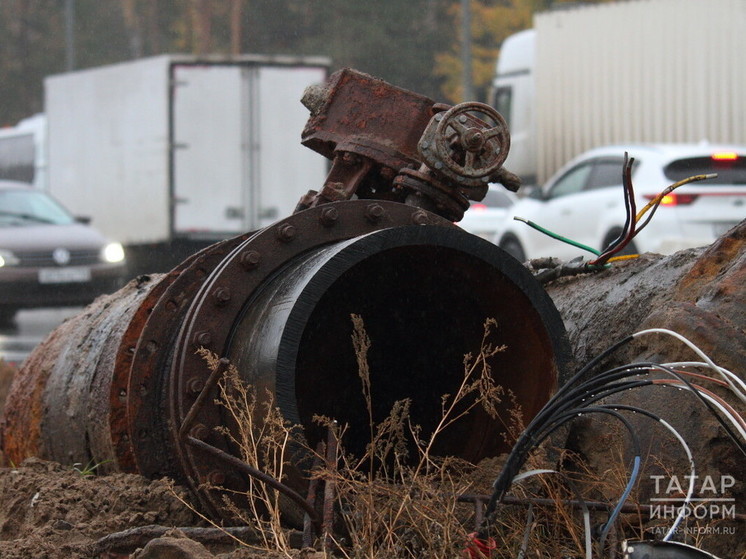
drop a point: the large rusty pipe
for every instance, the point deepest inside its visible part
(424, 294)
(116, 383)
(69, 400)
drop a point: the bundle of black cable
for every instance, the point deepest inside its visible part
(648, 332)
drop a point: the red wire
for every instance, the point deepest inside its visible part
(631, 231)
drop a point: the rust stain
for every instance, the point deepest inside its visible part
(24, 408)
(719, 257)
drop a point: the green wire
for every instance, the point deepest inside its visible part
(558, 237)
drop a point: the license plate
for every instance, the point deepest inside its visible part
(77, 274)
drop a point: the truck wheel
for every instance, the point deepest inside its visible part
(611, 236)
(513, 247)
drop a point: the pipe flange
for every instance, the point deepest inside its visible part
(209, 324)
(438, 198)
(139, 375)
(120, 392)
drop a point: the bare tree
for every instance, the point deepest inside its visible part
(235, 18)
(201, 12)
(132, 25)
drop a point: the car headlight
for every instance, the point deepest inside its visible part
(113, 253)
(7, 258)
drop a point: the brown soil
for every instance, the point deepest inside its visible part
(51, 511)
(48, 510)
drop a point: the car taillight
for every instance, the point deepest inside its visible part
(478, 207)
(675, 199)
(725, 156)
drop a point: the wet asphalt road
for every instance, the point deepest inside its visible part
(31, 327)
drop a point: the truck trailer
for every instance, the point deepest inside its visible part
(619, 73)
(23, 151)
(171, 153)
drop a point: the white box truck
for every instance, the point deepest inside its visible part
(23, 151)
(170, 153)
(622, 72)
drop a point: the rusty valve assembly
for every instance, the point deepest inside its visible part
(122, 384)
(409, 150)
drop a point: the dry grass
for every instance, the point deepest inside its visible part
(557, 529)
(395, 500)
(398, 498)
(264, 439)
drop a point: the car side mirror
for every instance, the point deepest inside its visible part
(84, 219)
(537, 194)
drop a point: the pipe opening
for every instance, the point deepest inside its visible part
(424, 294)
(435, 302)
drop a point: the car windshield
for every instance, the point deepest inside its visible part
(28, 207)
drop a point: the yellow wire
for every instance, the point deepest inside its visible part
(623, 257)
(670, 189)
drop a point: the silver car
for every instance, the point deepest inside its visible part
(48, 258)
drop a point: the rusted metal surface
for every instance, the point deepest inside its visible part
(482, 147)
(389, 143)
(24, 407)
(330, 494)
(144, 415)
(123, 383)
(358, 113)
(120, 376)
(58, 408)
(309, 529)
(211, 320)
(700, 294)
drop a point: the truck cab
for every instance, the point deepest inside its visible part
(512, 94)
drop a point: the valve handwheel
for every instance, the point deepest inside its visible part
(463, 132)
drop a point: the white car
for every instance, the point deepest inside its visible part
(483, 217)
(584, 201)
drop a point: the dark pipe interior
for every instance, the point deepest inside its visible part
(424, 309)
(424, 294)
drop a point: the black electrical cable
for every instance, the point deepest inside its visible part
(619, 407)
(556, 401)
(681, 440)
(577, 412)
(499, 492)
(560, 400)
(578, 394)
(533, 437)
(593, 362)
(631, 231)
(588, 392)
(637, 454)
(741, 446)
(628, 222)
(637, 368)
(518, 457)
